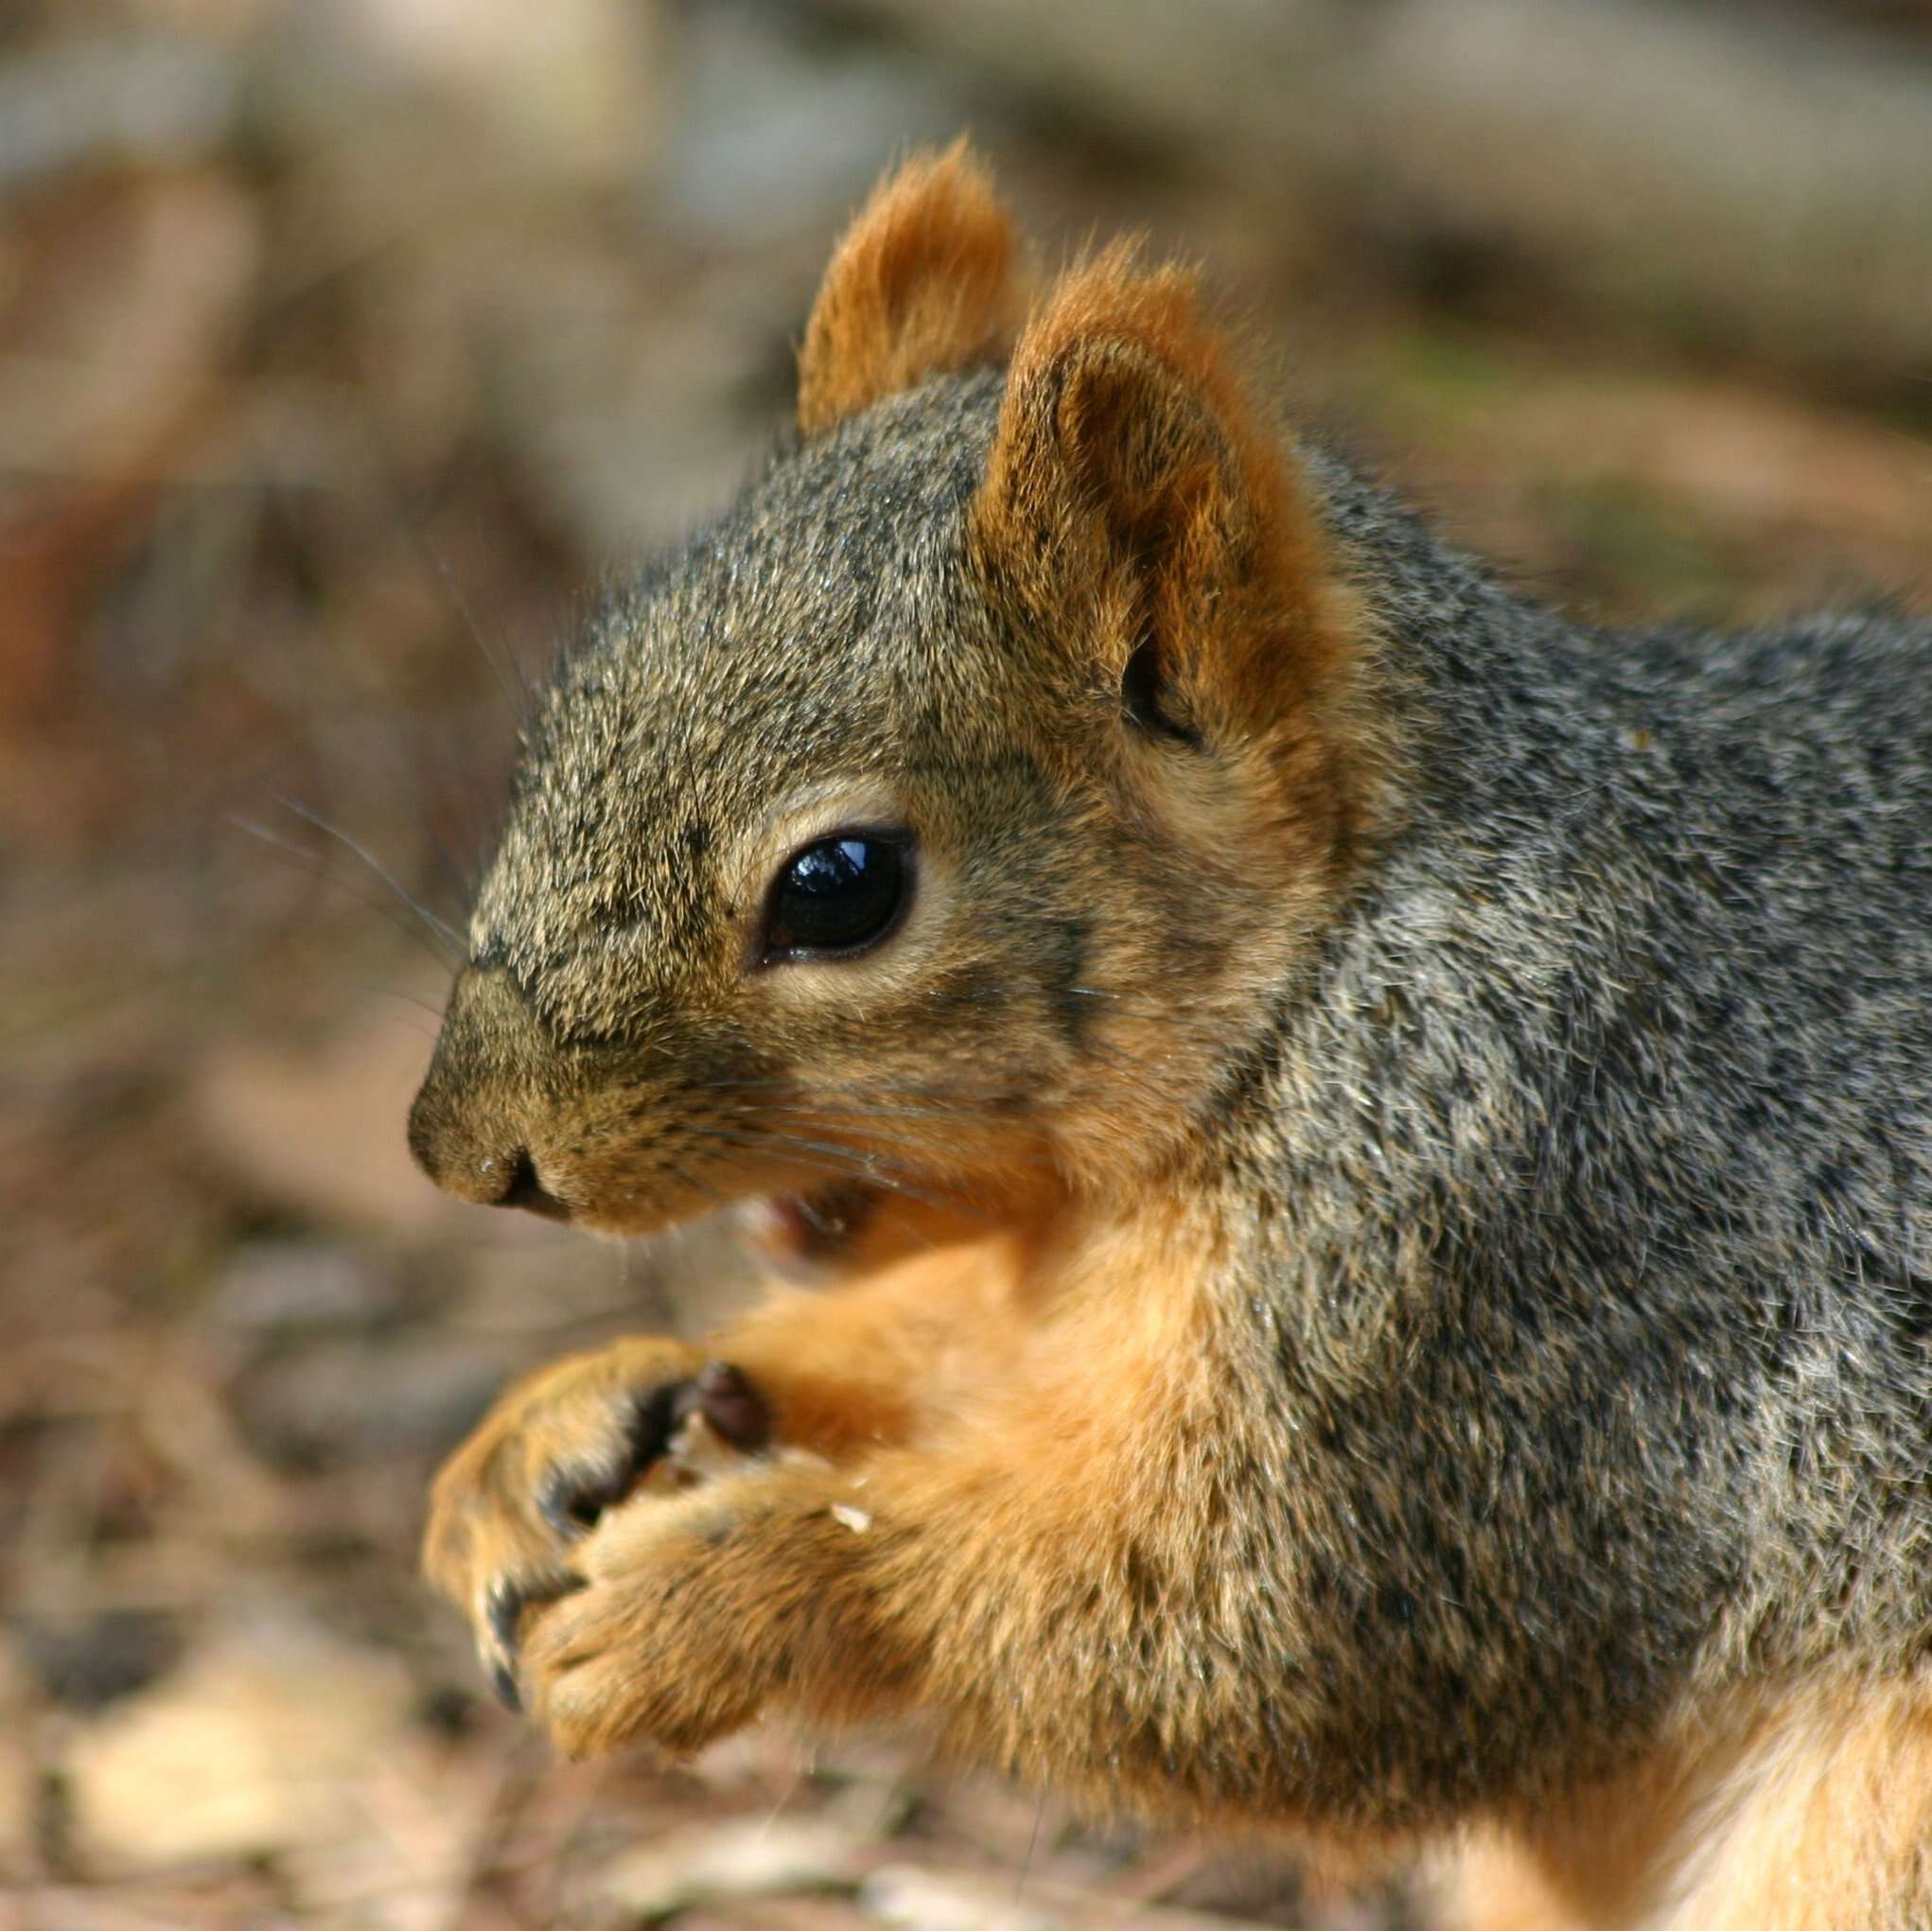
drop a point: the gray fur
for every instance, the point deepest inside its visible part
(1593, 1273)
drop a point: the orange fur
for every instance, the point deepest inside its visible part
(924, 281)
(844, 1371)
(1048, 1456)
(1001, 1417)
(1809, 1813)
(884, 1359)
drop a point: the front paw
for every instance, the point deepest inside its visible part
(651, 1649)
(564, 1446)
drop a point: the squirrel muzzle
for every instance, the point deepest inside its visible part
(473, 1125)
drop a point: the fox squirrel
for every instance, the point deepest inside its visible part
(1373, 1144)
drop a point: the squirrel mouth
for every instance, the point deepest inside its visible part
(799, 1229)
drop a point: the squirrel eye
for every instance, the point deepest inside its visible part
(837, 897)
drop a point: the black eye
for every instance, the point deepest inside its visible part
(837, 897)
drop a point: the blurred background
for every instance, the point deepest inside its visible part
(344, 346)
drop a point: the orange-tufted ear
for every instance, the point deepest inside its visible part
(1140, 514)
(925, 280)
(1137, 507)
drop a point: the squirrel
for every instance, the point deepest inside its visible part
(1364, 1148)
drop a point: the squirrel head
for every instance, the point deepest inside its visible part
(925, 840)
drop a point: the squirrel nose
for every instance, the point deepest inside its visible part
(471, 1122)
(524, 1189)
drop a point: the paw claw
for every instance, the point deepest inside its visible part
(574, 1494)
(503, 1682)
(729, 1402)
(505, 1602)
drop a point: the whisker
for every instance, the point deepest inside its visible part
(866, 1107)
(453, 814)
(517, 702)
(388, 878)
(844, 1162)
(812, 1162)
(840, 1163)
(1038, 1163)
(954, 1108)
(435, 1012)
(698, 1185)
(308, 861)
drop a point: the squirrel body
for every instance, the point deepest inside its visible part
(1380, 1163)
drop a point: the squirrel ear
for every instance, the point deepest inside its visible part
(1135, 507)
(925, 280)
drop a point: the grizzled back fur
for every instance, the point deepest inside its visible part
(1590, 1168)
(1539, 1019)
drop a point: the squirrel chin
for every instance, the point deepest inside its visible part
(803, 1234)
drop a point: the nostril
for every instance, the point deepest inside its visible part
(523, 1190)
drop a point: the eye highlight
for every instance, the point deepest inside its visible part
(837, 897)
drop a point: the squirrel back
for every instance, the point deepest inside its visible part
(1450, 1090)
(1612, 1094)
